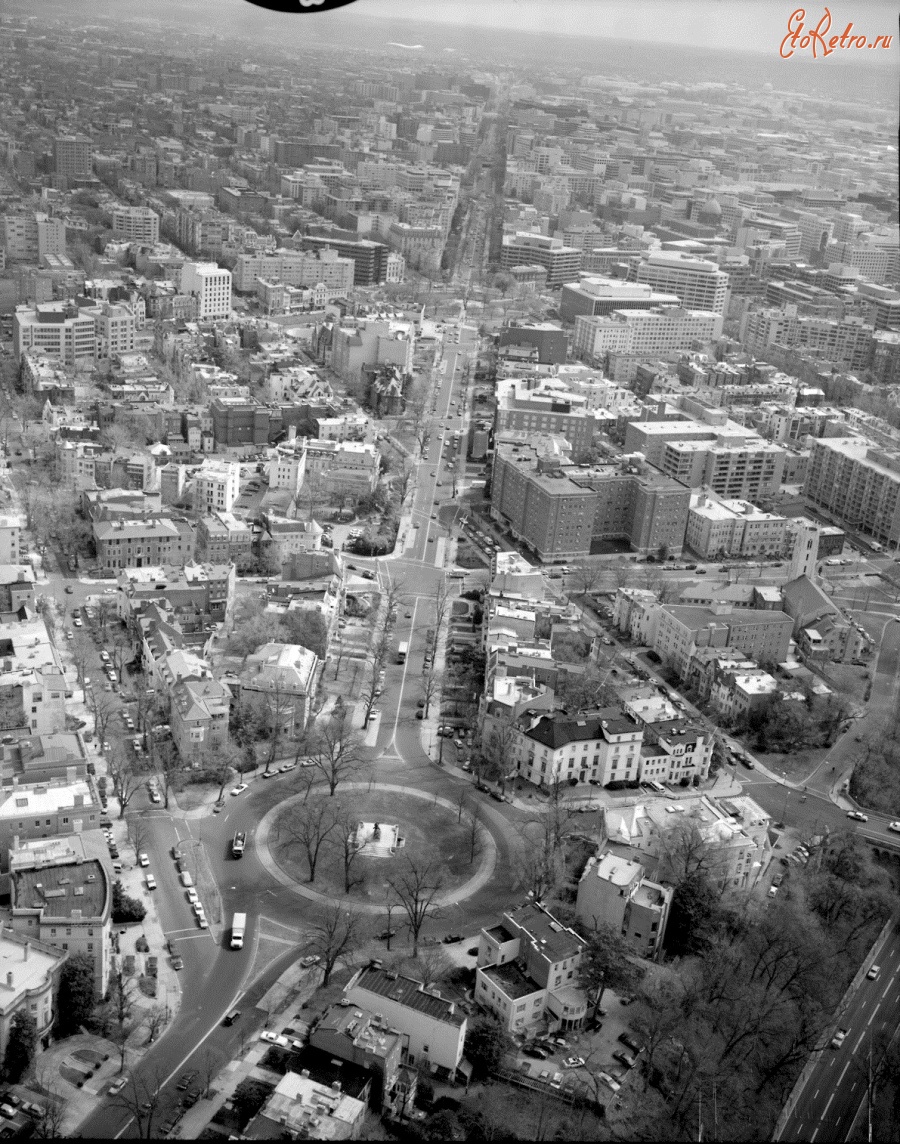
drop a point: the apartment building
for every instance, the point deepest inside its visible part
(32, 236)
(857, 484)
(210, 286)
(848, 341)
(718, 527)
(199, 717)
(435, 1027)
(63, 897)
(751, 470)
(10, 538)
(698, 284)
(73, 157)
(296, 268)
(372, 262)
(370, 343)
(136, 224)
(558, 509)
(562, 263)
(32, 679)
(45, 810)
(216, 486)
(239, 421)
(617, 892)
(136, 543)
(527, 972)
(223, 539)
(761, 635)
(533, 405)
(600, 748)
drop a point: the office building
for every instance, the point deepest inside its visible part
(699, 284)
(597, 297)
(562, 263)
(645, 332)
(528, 972)
(434, 1027)
(136, 224)
(370, 259)
(29, 970)
(210, 286)
(62, 895)
(60, 329)
(857, 484)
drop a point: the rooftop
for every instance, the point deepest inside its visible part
(510, 979)
(406, 991)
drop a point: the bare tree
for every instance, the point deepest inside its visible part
(497, 752)
(166, 761)
(106, 612)
(585, 577)
(335, 750)
(126, 779)
(441, 600)
(429, 688)
(138, 832)
(373, 681)
(338, 934)
(48, 1125)
(103, 707)
(210, 1065)
(120, 650)
(306, 827)
(155, 1020)
(141, 1098)
(80, 660)
(346, 823)
(416, 888)
(121, 1001)
(431, 965)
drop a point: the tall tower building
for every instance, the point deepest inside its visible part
(73, 156)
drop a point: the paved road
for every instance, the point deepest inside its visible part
(830, 1100)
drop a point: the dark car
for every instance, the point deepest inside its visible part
(631, 1042)
(184, 1081)
(385, 935)
(536, 1052)
(190, 1098)
(624, 1058)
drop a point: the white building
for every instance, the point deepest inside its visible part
(137, 224)
(602, 747)
(210, 286)
(436, 1028)
(732, 527)
(217, 485)
(699, 284)
(617, 892)
(29, 975)
(60, 329)
(10, 538)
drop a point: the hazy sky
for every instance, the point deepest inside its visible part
(749, 25)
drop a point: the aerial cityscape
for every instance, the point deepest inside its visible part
(449, 571)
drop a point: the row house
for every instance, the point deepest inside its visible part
(617, 892)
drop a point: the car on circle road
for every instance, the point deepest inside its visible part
(144, 859)
(151, 882)
(873, 972)
(239, 789)
(895, 826)
(287, 767)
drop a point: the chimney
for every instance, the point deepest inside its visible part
(26, 950)
(9, 980)
(335, 1086)
(305, 1073)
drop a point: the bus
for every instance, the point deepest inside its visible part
(402, 649)
(238, 925)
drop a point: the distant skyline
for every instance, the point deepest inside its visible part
(754, 25)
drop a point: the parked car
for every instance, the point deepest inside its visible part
(313, 959)
(610, 1082)
(536, 1052)
(151, 882)
(117, 1085)
(857, 816)
(631, 1042)
(573, 1062)
(240, 788)
(287, 767)
(624, 1058)
(838, 1039)
(143, 859)
(274, 1039)
(873, 972)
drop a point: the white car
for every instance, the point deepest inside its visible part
(151, 882)
(76, 623)
(275, 1039)
(154, 796)
(873, 972)
(143, 859)
(857, 816)
(198, 909)
(202, 922)
(193, 897)
(287, 767)
(895, 826)
(610, 1082)
(240, 788)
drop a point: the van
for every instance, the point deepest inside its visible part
(186, 879)
(232, 1017)
(875, 546)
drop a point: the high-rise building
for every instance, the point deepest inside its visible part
(858, 485)
(210, 285)
(73, 157)
(699, 284)
(60, 329)
(137, 224)
(562, 263)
